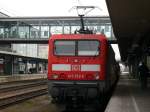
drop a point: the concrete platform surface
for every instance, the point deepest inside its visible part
(129, 97)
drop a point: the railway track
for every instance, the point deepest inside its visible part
(13, 86)
(12, 94)
(20, 82)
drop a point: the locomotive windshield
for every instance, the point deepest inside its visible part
(88, 48)
(66, 48)
(76, 48)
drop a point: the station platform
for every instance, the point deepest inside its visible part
(129, 97)
(18, 77)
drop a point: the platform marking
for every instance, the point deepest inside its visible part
(133, 100)
(135, 104)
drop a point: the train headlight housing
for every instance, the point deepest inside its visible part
(55, 76)
(97, 76)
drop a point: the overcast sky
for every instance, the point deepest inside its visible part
(49, 7)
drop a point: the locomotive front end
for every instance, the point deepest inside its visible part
(76, 67)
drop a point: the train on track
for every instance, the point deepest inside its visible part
(81, 67)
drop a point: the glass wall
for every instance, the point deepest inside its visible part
(26, 49)
(66, 29)
(45, 32)
(23, 31)
(56, 29)
(1, 32)
(35, 30)
(43, 50)
(13, 33)
(32, 50)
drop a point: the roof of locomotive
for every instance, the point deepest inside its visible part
(78, 36)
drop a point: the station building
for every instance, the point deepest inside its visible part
(20, 58)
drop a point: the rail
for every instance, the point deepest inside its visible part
(12, 94)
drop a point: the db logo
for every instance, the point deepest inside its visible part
(75, 67)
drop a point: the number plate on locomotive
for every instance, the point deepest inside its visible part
(75, 76)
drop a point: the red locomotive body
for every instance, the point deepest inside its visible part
(80, 65)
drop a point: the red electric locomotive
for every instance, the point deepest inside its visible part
(80, 66)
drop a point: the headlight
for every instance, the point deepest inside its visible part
(97, 76)
(55, 76)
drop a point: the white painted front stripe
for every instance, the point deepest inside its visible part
(61, 67)
(67, 67)
(90, 67)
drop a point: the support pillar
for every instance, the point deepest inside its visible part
(37, 67)
(8, 65)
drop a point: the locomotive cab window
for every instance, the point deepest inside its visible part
(76, 48)
(65, 48)
(88, 48)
